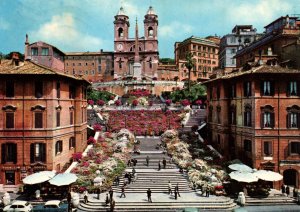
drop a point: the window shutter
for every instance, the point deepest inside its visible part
(38, 120)
(262, 88)
(56, 148)
(3, 150)
(43, 152)
(298, 120)
(298, 88)
(58, 118)
(272, 92)
(60, 146)
(14, 150)
(262, 120)
(288, 120)
(272, 116)
(288, 92)
(298, 147)
(31, 153)
(10, 120)
(245, 89)
(245, 118)
(270, 147)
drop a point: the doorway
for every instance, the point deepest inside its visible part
(10, 177)
(290, 177)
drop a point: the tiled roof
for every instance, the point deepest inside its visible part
(85, 53)
(30, 68)
(263, 69)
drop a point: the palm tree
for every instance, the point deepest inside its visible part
(189, 64)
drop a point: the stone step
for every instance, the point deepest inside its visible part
(270, 200)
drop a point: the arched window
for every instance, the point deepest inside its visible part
(247, 115)
(267, 117)
(293, 117)
(120, 32)
(58, 147)
(150, 32)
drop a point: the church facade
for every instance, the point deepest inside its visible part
(124, 47)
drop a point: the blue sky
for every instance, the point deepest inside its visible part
(87, 25)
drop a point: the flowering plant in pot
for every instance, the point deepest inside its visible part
(117, 102)
(135, 102)
(185, 102)
(91, 140)
(168, 102)
(100, 102)
(91, 102)
(77, 156)
(97, 127)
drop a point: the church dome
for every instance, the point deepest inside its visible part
(151, 11)
(121, 11)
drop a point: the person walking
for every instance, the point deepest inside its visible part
(123, 192)
(149, 195)
(106, 200)
(164, 163)
(207, 191)
(159, 165)
(147, 160)
(117, 180)
(129, 163)
(175, 193)
(111, 194)
(170, 188)
(129, 178)
(287, 190)
(133, 172)
(283, 189)
(98, 193)
(112, 205)
(177, 189)
(69, 200)
(85, 196)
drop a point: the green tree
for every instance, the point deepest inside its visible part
(9, 56)
(189, 64)
(197, 91)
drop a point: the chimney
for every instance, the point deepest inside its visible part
(15, 58)
(26, 48)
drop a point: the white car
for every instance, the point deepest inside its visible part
(19, 205)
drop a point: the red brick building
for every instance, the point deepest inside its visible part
(43, 119)
(254, 115)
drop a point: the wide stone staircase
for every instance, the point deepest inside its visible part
(196, 118)
(157, 181)
(270, 200)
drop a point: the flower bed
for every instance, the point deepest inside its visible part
(200, 172)
(144, 122)
(108, 155)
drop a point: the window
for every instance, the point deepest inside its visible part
(45, 51)
(9, 153)
(34, 51)
(58, 90)
(267, 88)
(38, 120)
(267, 117)
(71, 118)
(10, 120)
(99, 69)
(38, 89)
(219, 114)
(218, 92)
(232, 91)
(232, 114)
(58, 147)
(79, 64)
(295, 147)
(247, 116)
(150, 32)
(58, 118)
(232, 51)
(72, 91)
(293, 117)
(232, 61)
(72, 142)
(267, 148)
(247, 145)
(293, 88)
(84, 92)
(10, 89)
(120, 32)
(210, 113)
(37, 152)
(247, 89)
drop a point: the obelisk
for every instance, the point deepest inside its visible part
(137, 67)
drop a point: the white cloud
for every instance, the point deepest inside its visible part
(259, 12)
(174, 29)
(4, 25)
(62, 31)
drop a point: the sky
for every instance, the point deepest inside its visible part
(87, 25)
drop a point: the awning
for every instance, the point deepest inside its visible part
(240, 167)
(63, 179)
(246, 177)
(267, 175)
(39, 177)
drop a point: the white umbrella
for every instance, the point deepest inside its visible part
(240, 167)
(63, 179)
(268, 175)
(246, 177)
(38, 177)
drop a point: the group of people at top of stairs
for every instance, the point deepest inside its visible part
(286, 190)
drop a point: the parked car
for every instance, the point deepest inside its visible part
(52, 205)
(19, 205)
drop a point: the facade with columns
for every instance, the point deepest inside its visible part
(124, 47)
